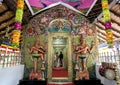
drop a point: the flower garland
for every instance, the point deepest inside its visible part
(106, 14)
(17, 25)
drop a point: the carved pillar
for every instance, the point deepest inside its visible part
(49, 59)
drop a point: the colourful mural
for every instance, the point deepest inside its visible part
(38, 5)
(60, 25)
(61, 15)
(59, 19)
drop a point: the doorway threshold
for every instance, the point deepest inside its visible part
(60, 79)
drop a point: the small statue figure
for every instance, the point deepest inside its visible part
(37, 51)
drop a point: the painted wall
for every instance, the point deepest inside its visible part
(59, 19)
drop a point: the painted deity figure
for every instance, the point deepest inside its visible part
(81, 52)
(37, 51)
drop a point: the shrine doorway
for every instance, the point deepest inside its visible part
(57, 43)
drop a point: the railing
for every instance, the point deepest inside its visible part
(110, 57)
(9, 60)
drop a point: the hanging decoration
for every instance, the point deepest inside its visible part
(17, 25)
(106, 14)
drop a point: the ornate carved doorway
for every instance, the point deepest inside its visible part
(59, 42)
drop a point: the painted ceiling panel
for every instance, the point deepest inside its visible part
(81, 5)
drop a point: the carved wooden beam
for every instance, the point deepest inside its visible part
(3, 8)
(93, 14)
(113, 25)
(100, 40)
(96, 9)
(98, 4)
(101, 33)
(116, 27)
(5, 24)
(11, 4)
(7, 15)
(99, 37)
(116, 9)
(4, 31)
(102, 37)
(115, 18)
(115, 33)
(98, 28)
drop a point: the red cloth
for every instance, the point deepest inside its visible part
(59, 72)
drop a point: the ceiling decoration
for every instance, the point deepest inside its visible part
(83, 6)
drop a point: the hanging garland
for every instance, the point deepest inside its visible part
(17, 25)
(106, 14)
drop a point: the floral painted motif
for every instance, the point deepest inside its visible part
(76, 22)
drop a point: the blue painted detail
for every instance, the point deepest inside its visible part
(59, 30)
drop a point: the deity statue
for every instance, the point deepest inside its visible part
(81, 52)
(38, 52)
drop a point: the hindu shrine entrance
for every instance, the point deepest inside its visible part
(59, 43)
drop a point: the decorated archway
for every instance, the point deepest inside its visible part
(59, 40)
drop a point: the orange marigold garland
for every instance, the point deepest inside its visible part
(17, 25)
(15, 38)
(106, 14)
